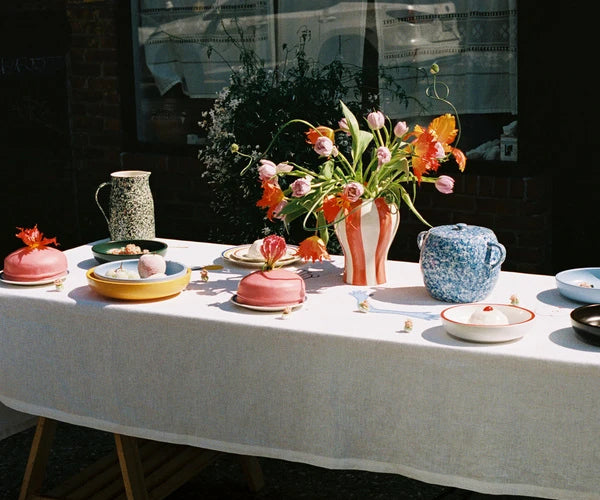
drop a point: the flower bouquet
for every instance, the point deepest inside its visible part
(382, 161)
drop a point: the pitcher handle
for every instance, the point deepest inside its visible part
(421, 238)
(501, 254)
(104, 184)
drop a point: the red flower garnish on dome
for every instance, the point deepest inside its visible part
(273, 248)
(34, 238)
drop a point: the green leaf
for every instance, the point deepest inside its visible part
(327, 169)
(360, 138)
(407, 199)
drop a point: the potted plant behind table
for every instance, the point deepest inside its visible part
(360, 183)
(258, 102)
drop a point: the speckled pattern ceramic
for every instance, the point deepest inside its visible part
(131, 206)
(460, 263)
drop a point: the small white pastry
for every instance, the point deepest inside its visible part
(488, 315)
(254, 250)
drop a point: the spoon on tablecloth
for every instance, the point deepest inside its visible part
(362, 296)
(210, 267)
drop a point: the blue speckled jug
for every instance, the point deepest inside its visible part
(460, 263)
(131, 206)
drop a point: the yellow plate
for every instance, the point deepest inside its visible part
(138, 291)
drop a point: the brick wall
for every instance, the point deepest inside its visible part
(516, 207)
(35, 157)
(95, 113)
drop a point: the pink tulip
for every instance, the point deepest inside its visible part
(343, 125)
(444, 184)
(323, 146)
(400, 129)
(439, 150)
(353, 191)
(267, 170)
(278, 208)
(284, 168)
(376, 120)
(300, 187)
(383, 155)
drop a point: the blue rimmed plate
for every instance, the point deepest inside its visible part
(581, 284)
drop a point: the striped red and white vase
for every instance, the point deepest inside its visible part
(365, 236)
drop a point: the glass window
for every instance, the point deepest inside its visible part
(185, 50)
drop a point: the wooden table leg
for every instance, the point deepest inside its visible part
(252, 472)
(35, 470)
(131, 467)
(168, 468)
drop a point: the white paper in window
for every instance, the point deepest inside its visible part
(195, 43)
(473, 42)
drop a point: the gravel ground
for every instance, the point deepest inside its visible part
(76, 447)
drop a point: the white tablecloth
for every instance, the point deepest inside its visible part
(328, 385)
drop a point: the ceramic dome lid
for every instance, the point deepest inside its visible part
(36, 261)
(463, 232)
(34, 264)
(271, 288)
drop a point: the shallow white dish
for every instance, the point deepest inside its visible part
(239, 255)
(46, 281)
(456, 319)
(266, 308)
(174, 270)
(581, 285)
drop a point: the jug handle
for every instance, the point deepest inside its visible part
(421, 238)
(501, 254)
(98, 202)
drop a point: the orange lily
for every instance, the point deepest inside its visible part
(312, 248)
(445, 129)
(460, 158)
(424, 159)
(272, 195)
(332, 206)
(314, 133)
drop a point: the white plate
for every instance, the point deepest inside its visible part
(266, 308)
(238, 255)
(46, 281)
(456, 322)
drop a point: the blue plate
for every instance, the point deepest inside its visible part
(174, 270)
(581, 285)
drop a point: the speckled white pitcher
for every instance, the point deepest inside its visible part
(131, 206)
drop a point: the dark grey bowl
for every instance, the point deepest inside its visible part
(102, 251)
(586, 322)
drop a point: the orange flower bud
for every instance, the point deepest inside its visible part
(314, 133)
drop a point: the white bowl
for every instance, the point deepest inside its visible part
(581, 285)
(457, 322)
(174, 270)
